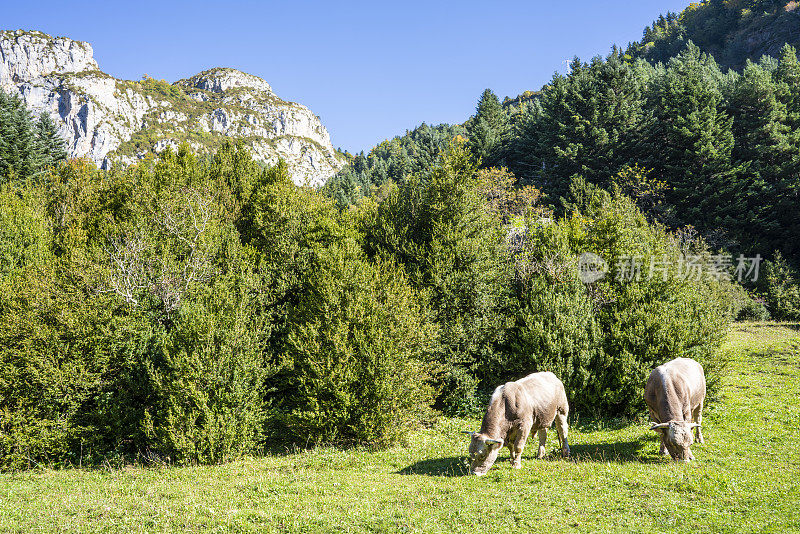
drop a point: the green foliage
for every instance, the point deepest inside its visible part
(162, 88)
(27, 146)
(691, 145)
(754, 310)
(391, 161)
(780, 285)
(733, 31)
(582, 125)
(436, 226)
(690, 142)
(179, 310)
(603, 338)
(488, 130)
(357, 353)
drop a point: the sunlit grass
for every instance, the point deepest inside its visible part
(746, 478)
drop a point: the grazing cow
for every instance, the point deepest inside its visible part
(675, 393)
(517, 408)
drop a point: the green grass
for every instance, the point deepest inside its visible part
(746, 478)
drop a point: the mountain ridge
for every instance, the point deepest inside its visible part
(113, 121)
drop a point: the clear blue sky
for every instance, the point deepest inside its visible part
(370, 70)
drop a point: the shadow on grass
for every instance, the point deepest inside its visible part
(768, 324)
(641, 450)
(437, 467)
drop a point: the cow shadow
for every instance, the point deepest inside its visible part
(641, 450)
(437, 467)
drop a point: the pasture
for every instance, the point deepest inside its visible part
(746, 477)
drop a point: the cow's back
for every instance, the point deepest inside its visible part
(545, 395)
(675, 388)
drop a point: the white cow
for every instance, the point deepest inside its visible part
(516, 409)
(675, 393)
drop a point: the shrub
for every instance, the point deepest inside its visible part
(754, 311)
(603, 338)
(357, 345)
(437, 227)
(126, 322)
(780, 285)
(348, 334)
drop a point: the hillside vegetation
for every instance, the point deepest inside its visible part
(699, 149)
(195, 311)
(733, 31)
(745, 478)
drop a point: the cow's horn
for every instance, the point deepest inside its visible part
(493, 441)
(656, 426)
(468, 432)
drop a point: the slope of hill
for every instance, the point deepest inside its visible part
(733, 31)
(110, 120)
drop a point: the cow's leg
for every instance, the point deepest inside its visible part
(519, 446)
(562, 428)
(542, 443)
(698, 418)
(663, 449)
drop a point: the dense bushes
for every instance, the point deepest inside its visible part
(187, 311)
(603, 338)
(192, 311)
(357, 353)
(435, 224)
(780, 286)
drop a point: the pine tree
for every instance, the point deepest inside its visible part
(488, 129)
(20, 153)
(787, 203)
(763, 146)
(584, 125)
(50, 143)
(27, 147)
(690, 142)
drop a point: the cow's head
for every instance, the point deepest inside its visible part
(483, 452)
(677, 438)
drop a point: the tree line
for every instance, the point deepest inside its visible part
(694, 146)
(194, 310)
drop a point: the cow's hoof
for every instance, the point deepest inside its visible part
(516, 465)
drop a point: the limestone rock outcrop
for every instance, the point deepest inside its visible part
(113, 121)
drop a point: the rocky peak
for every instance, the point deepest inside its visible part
(26, 56)
(113, 121)
(220, 80)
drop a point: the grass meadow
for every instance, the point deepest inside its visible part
(746, 477)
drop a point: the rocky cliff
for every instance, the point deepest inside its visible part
(113, 121)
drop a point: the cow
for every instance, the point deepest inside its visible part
(516, 409)
(674, 394)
